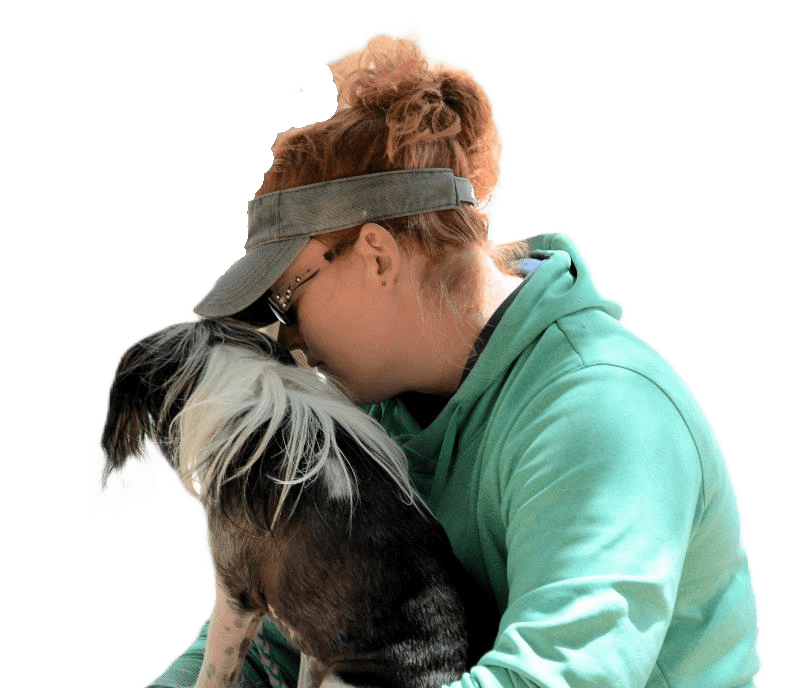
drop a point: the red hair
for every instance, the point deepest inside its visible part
(395, 112)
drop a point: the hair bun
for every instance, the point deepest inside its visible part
(432, 117)
(396, 112)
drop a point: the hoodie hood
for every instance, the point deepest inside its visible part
(560, 287)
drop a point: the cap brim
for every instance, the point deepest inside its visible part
(249, 277)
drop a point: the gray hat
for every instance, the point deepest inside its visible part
(280, 224)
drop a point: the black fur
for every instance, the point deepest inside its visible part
(373, 591)
(144, 397)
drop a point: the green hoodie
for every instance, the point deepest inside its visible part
(578, 480)
(581, 484)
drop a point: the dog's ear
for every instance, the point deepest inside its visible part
(157, 376)
(129, 420)
(153, 380)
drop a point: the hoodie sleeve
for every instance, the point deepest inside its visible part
(600, 482)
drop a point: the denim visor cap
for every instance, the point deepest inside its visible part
(280, 224)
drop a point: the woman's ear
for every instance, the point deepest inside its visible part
(381, 253)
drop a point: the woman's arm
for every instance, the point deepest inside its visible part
(597, 502)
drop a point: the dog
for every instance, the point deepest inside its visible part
(312, 518)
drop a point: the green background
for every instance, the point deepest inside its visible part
(663, 135)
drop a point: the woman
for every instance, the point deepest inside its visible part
(573, 472)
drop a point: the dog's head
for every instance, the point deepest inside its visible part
(158, 374)
(232, 413)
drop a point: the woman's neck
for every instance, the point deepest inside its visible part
(447, 342)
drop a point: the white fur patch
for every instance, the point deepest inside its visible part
(240, 391)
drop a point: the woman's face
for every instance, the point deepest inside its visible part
(352, 319)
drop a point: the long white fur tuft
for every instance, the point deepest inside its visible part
(240, 392)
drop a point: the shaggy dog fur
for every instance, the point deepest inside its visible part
(312, 518)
